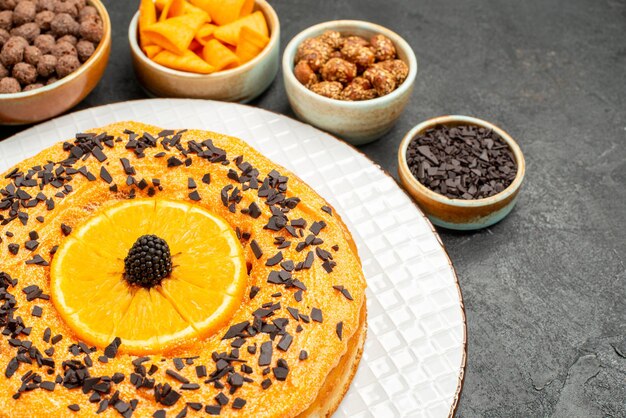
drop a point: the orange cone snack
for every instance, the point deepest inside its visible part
(219, 56)
(230, 33)
(188, 62)
(175, 34)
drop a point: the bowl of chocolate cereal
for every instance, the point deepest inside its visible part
(349, 77)
(464, 173)
(52, 55)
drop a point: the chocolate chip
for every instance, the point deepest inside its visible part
(339, 329)
(256, 249)
(195, 196)
(111, 350)
(66, 229)
(316, 315)
(238, 403)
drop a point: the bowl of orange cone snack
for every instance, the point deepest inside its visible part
(208, 49)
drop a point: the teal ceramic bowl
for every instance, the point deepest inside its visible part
(461, 214)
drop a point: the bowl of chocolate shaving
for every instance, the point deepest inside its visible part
(464, 173)
(349, 77)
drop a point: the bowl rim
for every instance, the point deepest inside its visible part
(97, 54)
(399, 42)
(263, 5)
(449, 119)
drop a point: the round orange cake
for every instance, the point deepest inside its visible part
(148, 272)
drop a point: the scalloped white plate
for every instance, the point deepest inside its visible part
(414, 356)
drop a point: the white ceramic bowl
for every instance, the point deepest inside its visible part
(240, 84)
(358, 122)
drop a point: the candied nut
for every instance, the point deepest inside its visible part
(9, 85)
(91, 29)
(24, 73)
(13, 51)
(396, 67)
(358, 54)
(68, 38)
(45, 5)
(28, 31)
(384, 49)
(332, 38)
(330, 89)
(63, 48)
(7, 4)
(67, 64)
(79, 3)
(304, 74)
(337, 69)
(43, 19)
(382, 80)
(46, 65)
(362, 82)
(356, 91)
(45, 43)
(84, 49)
(356, 40)
(66, 7)
(335, 54)
(32, 86)
(24, 12)
(32, 55)
(3, 71)
(314, 51)
(4, 36)
(6, 19)
(64, 24)
(86, 12)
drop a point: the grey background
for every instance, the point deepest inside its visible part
(544, 289)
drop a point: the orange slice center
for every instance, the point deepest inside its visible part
(206, 284)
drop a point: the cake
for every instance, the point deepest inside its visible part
(152, 272)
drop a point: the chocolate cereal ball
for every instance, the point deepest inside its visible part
(46, 65)
(13, 51)
(51, 80)
(7, 4)
(28, 31)
(6, 19)
(3, 71)
(4, 36)
(87, 11)
(68, 38)
(32, 86)
(44, 18)
(67, 64)
(45, 5)
(24, 12)
(66, 7)
(63, 48)
(383, 81)
(64, 24)
(330, 89)
(384, 49)
(91, 29)
(304, 74)
(32, 55)
(45, 43)
(84, 49)
(9, 85)
(24, 73)
(337, 69)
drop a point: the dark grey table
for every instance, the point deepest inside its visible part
(544, 289)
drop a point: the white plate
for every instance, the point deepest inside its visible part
(414, 356)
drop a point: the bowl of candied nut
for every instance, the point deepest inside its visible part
(349, 77)
(52, 55)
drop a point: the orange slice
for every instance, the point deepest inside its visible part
(205, 287)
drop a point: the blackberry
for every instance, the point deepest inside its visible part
(148, 262)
